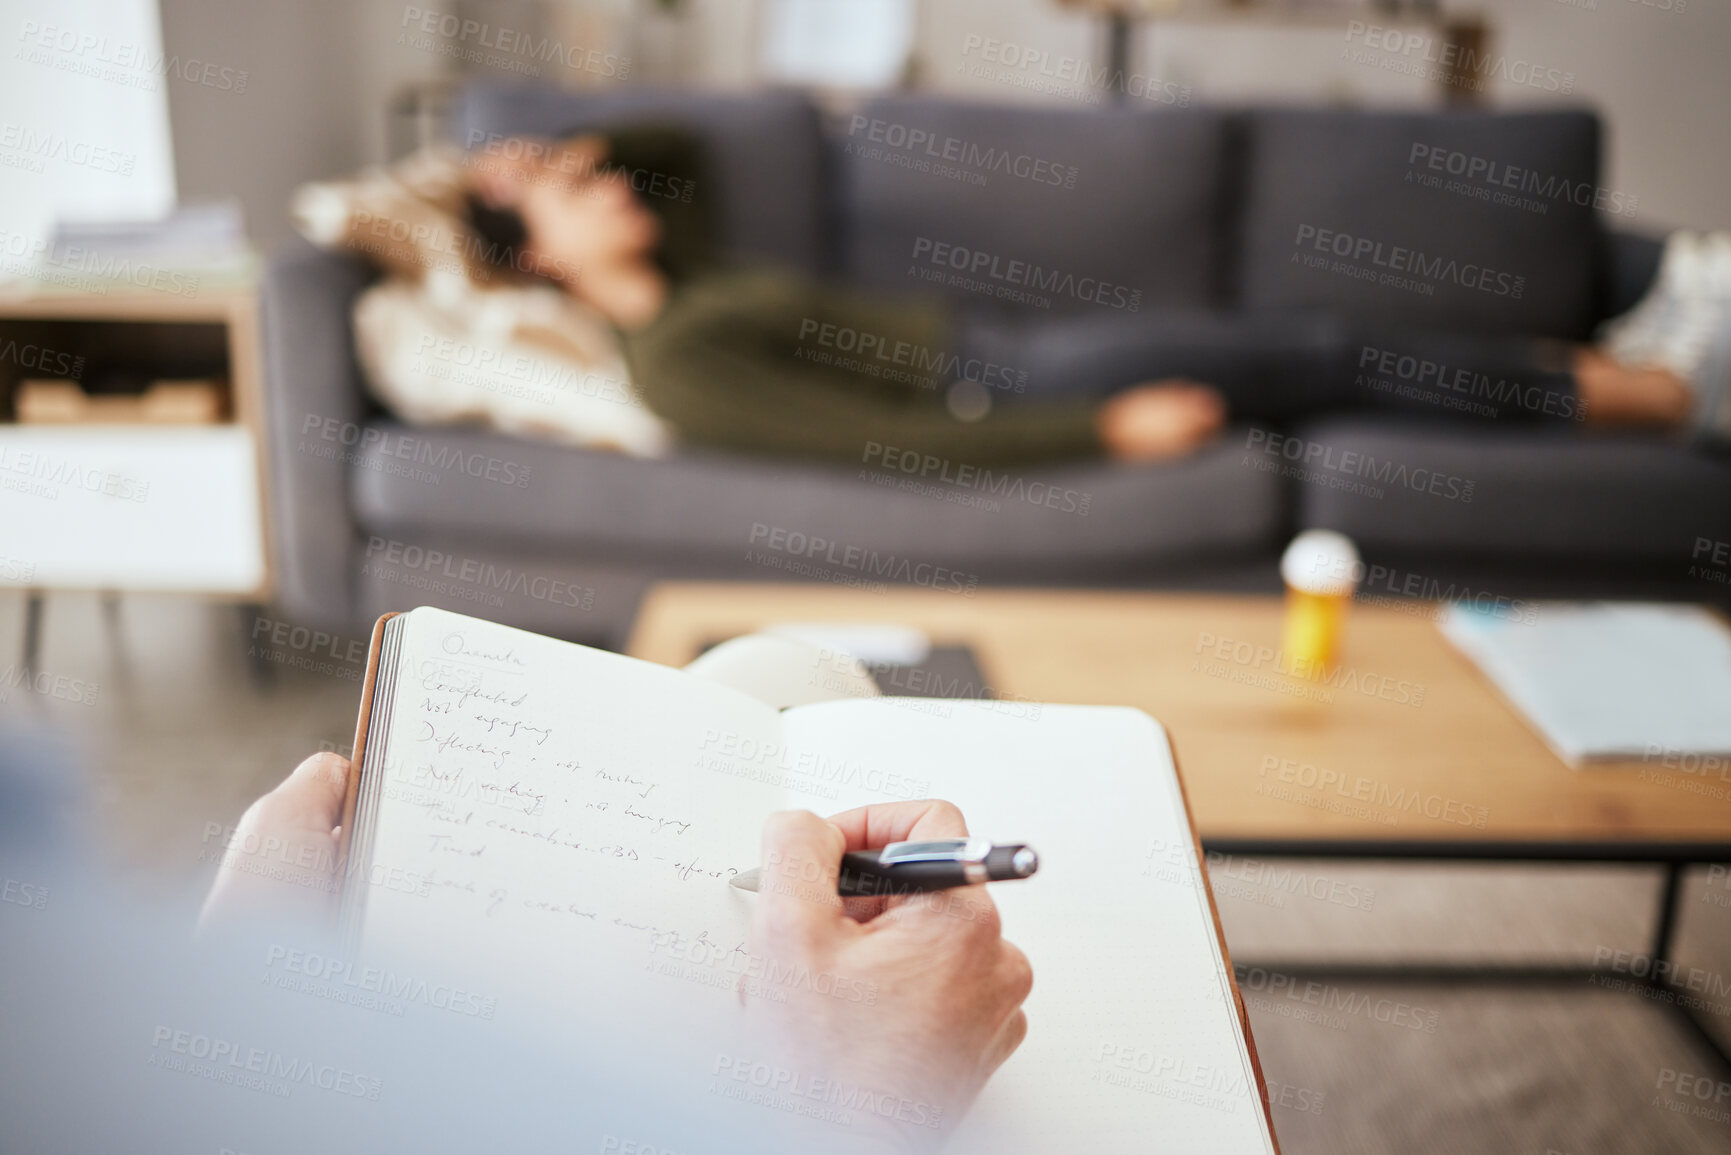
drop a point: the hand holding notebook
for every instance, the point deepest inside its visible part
(526, 804)
(958, 985)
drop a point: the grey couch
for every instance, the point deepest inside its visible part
(1193, 210)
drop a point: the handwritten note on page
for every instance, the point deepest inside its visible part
(549, 802)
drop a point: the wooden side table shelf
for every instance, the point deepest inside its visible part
(131, 506)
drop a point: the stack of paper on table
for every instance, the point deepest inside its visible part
(1608, 681)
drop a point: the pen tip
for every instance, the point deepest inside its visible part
(745, 879)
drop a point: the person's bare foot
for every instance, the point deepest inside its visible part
(1159, 420)
(1619, 395)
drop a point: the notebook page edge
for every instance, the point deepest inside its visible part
(1161, 746)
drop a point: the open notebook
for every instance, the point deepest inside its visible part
(536, 798)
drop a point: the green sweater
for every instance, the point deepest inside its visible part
(744, 361)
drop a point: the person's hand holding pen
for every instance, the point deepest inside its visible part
(906, 1004)
(912, 1001)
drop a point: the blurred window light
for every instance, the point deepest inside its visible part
(85, 94)
(857, 44)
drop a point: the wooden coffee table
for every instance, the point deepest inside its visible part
(1412, 755)
(1415, 747)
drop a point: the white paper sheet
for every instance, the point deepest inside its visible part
(1601, 681)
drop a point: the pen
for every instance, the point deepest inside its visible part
(913, 867)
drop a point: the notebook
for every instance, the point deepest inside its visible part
(536, 798)
(1608, 681)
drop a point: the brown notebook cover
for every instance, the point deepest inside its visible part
(357, 755)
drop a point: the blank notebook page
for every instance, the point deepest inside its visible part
(1133, 1039)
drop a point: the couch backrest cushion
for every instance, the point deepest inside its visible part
(764, 153)
(1461, 221)
(1058, 210)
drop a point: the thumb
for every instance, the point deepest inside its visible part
(293, 871)
(310, 799)
(801, 859)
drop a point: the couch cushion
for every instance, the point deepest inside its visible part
(1085, 209)
(764, 152)
(1533, 493)
(1090, 356)
(486, 488)
(1448, 220)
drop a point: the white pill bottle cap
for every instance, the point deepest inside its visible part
(1321, 561)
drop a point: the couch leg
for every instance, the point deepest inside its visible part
(261, 672)
(32, 628)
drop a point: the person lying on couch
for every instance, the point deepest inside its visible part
(725, 356)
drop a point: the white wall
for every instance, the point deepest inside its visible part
(84, 130)
(1661, 78)
(322, 70)
(319, 73)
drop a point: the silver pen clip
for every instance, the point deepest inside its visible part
(968, 853)
(936, 850)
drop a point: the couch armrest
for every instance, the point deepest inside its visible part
(312, 393)
(1627, 265)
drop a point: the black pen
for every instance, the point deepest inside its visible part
(915, 867)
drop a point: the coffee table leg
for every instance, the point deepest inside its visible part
(1673, 860)
(1659, 968)
(32, 628)
(1665, 928)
